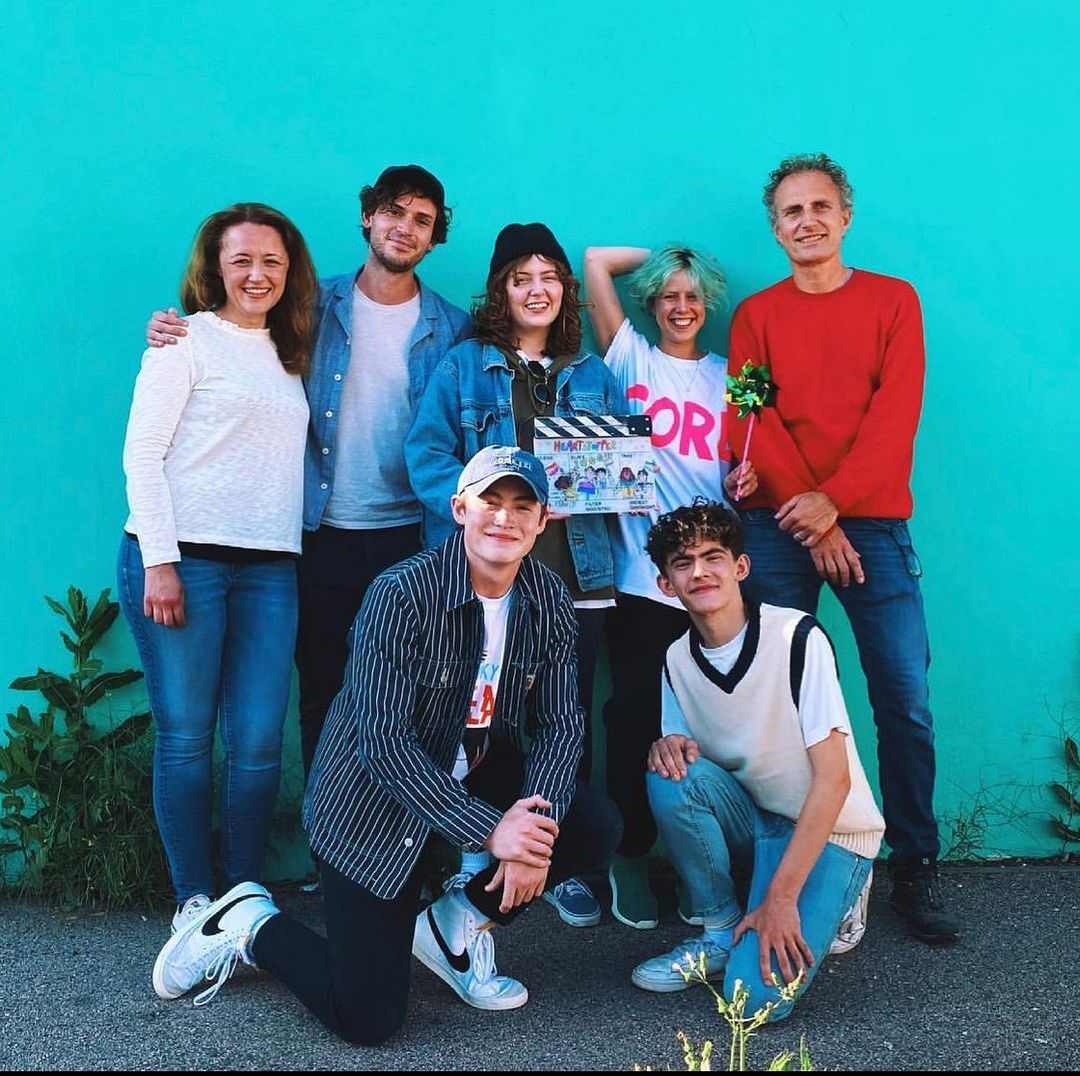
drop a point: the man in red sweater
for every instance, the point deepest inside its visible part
(833, 459)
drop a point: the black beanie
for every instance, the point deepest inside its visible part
(523, 240)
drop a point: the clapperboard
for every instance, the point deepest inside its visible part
(603, 463)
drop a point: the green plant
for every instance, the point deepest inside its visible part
(740, 1026)
(1066, 826)
(76, 803)
(984, 822)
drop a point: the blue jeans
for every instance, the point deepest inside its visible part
(714, 832)
(889, 625)
(233, 659)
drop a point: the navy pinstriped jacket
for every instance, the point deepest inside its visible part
(380, 781)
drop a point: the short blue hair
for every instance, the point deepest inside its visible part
(650, 278)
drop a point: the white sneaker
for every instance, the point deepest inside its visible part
(449, 941)
(853, 925)
(210, 946)
(191, 909)
(661, 974)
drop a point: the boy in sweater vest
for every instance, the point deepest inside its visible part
(756, 775)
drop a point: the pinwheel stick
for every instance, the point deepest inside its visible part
(750, 391)
(749, 434)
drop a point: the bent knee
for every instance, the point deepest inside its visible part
(368, 1029)
(700, 775)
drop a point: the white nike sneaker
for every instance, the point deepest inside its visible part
(449, 941)
(210, 946)
(191, 909)
(853, 925)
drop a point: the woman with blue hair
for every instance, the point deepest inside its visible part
(681, 385)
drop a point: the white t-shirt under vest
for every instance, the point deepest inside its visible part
(758, 720)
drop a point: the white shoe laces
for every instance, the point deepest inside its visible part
(221, 967)
(458, 881)
(481, 947)
(190, 910)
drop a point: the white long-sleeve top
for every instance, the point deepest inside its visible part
(214, 452)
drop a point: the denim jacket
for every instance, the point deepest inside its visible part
(439, 326)
(467, 406)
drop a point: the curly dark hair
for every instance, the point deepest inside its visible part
(400, 181)
(806, 162)
(291, 320)
(701, 521)
(492, 323)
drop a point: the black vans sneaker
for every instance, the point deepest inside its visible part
(917, 899)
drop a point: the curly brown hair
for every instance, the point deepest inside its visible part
(291, 320)
(492, 323)
(404, 180)
(702, 520)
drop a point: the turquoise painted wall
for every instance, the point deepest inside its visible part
(123, 125)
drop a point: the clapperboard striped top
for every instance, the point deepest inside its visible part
(598, 426)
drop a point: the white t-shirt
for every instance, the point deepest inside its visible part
(371, 486)
(686, 401)
(821, 702)
(486, 690)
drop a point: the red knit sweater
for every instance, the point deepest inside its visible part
(848, 365)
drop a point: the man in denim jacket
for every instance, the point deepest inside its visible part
(360, 515)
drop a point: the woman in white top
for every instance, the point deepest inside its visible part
(682, 386)
(206, 572)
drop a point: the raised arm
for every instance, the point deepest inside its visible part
(602, 265)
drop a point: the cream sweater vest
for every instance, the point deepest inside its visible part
(748, 722)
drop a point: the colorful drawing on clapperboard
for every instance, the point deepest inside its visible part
(603, 463)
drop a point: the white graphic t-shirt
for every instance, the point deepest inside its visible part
(482, 704)
(685, 399)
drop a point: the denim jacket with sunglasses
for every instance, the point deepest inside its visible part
(467, 406)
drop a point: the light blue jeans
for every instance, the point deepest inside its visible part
(715, 833)
(232, 660)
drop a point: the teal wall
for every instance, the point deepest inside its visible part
(124, 124)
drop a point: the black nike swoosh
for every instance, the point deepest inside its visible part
(458, 961)
(211, 926)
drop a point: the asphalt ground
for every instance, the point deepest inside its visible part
(75, 994)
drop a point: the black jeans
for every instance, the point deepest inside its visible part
(591, 624)
(334, 573)
(639, 633)
(356, 979)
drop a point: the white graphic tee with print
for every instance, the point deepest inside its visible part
(685, 400)
(482, 704)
